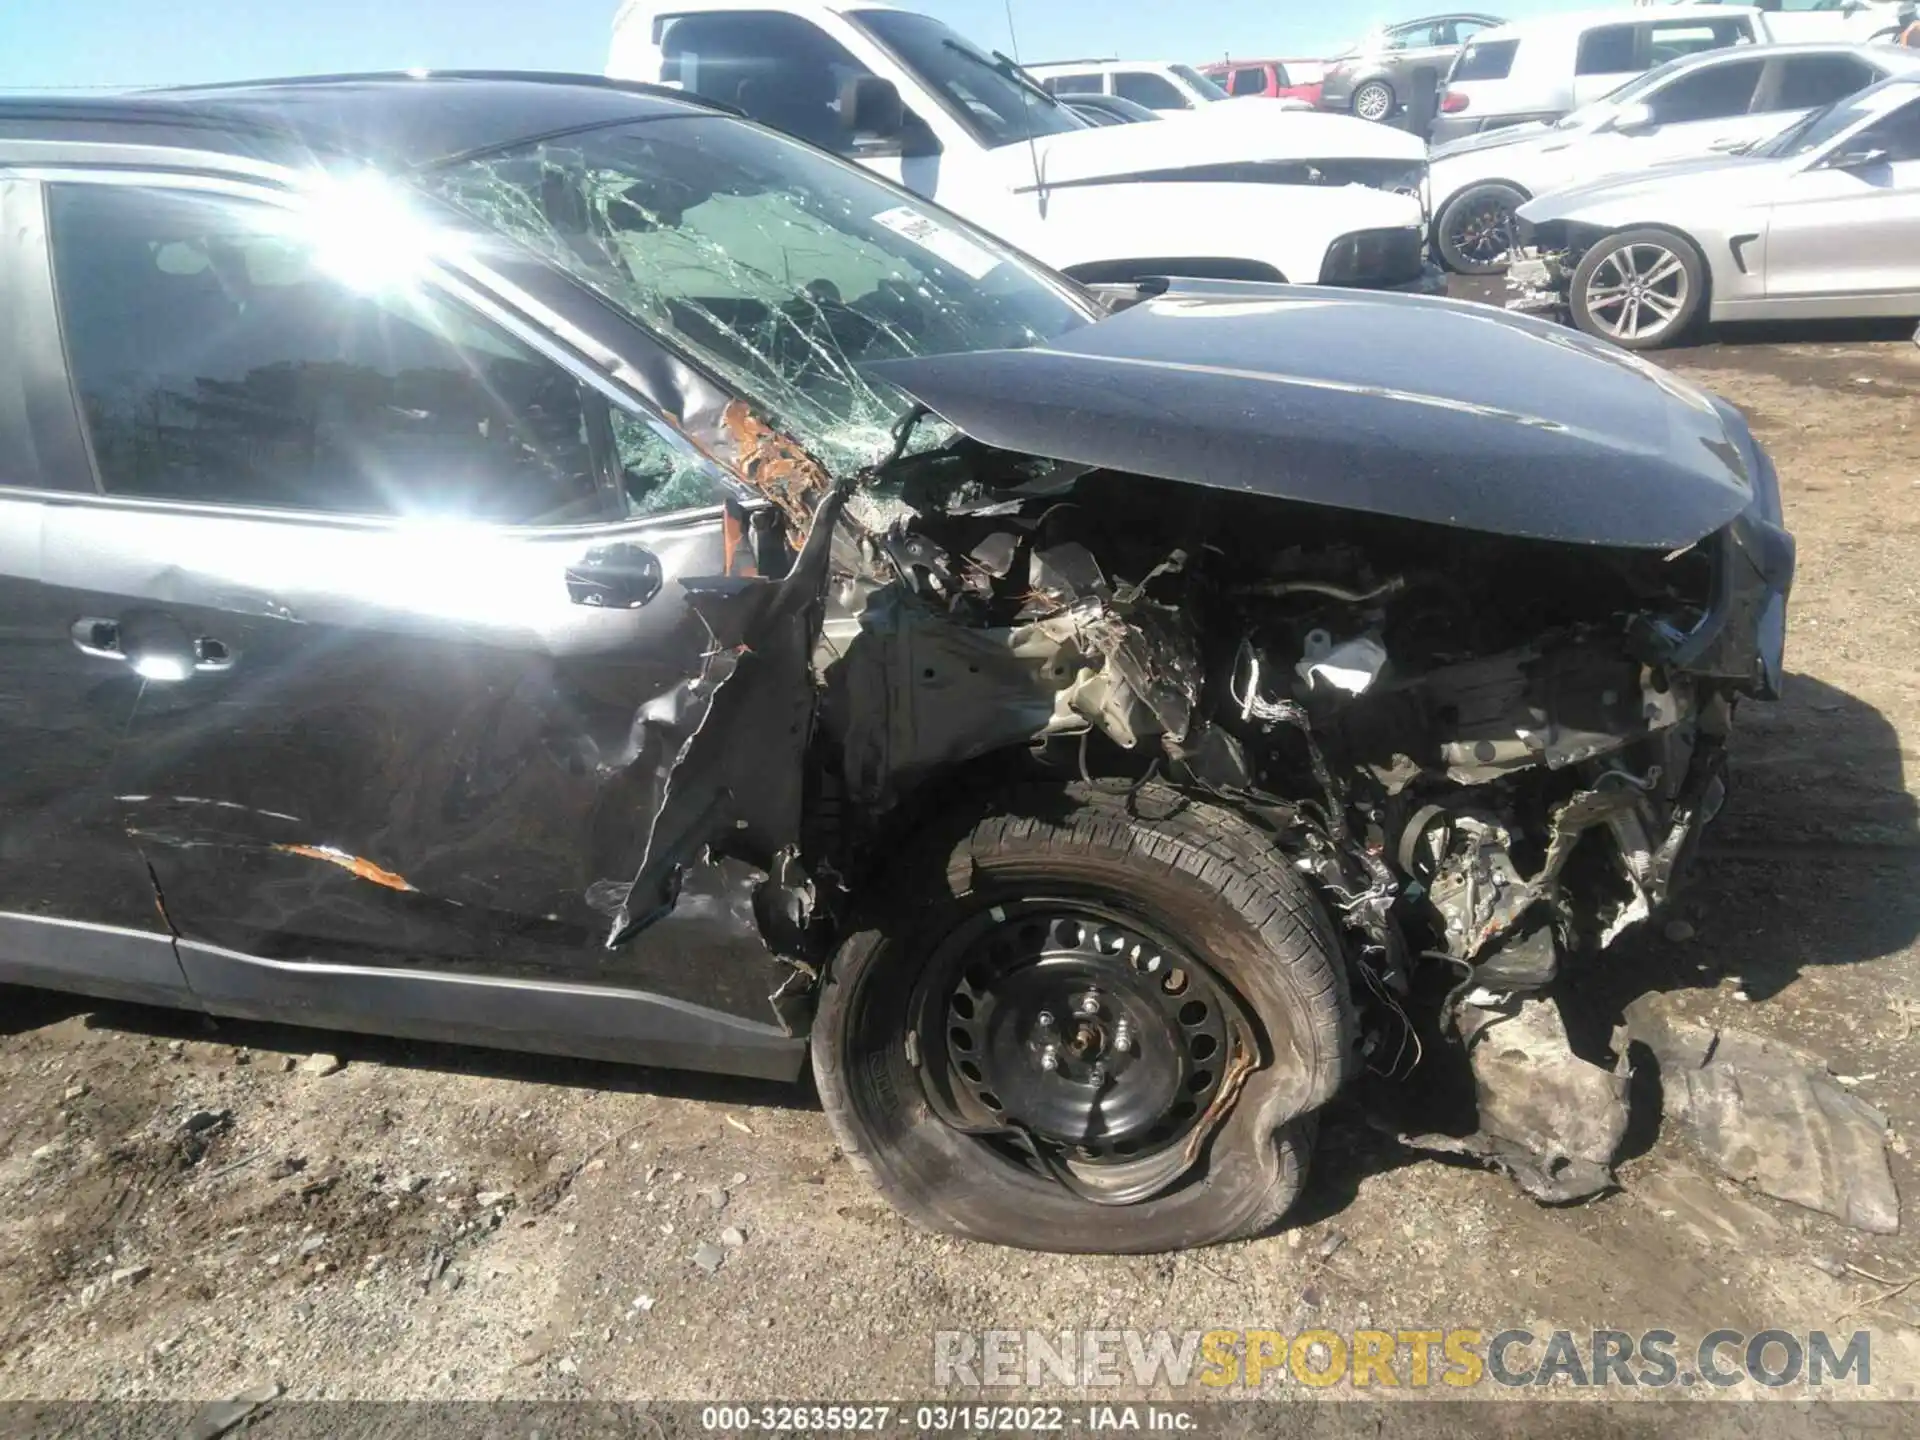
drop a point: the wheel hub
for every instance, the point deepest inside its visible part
(1485, 233)
(1085, 1033)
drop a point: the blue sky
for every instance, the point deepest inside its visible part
(46, 43)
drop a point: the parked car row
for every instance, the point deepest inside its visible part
(1377, 77)
(1268, 79)
(1490, 73)
(1822, 220)
(1710, 102)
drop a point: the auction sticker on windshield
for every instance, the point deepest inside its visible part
(930, 235)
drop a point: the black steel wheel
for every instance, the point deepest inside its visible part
(1094, 1046)
(1077, 1021)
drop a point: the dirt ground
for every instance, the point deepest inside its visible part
(185, 1211)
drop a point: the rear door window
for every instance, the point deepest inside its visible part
(1250, 81)
(1608, 50)
(1810, 81)
(1073, 84)
(1419, 35)
(1714, 92)
(1143, 87)
(1485, 60)
(1672, 39)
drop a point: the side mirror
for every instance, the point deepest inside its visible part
(1633, 119)
(872, 106)
(1864, 158)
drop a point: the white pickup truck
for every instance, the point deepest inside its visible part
(1305, 198)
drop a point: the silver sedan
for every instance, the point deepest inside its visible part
(1821, 221)
(1711, 102)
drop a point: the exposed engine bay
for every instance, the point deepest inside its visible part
(1471, 668)
(1470, 743)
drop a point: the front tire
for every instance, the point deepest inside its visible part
(1374, 101)
(1477, 228)
(1034, 1034)
(1641, 288)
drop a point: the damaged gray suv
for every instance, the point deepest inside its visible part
(560, 566)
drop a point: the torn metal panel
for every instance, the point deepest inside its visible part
(910, 691)
(1465, 862)
(1773, 1117)
(1549, 1119)
(776, 466)
(733, 787)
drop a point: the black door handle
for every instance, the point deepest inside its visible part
(623, 576)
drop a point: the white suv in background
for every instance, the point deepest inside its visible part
(1541, 69)
(1256, 194)
(1156, 84)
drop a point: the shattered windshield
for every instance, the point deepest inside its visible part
(781, 269)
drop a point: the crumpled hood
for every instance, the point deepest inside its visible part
(1247, 133)
(1430, 410)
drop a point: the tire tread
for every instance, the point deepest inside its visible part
(1216, 847)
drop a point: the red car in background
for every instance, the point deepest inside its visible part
(1271, 78)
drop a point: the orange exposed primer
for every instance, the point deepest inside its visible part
(365, 869)
(777, 466)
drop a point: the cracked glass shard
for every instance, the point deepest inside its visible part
(772, 266)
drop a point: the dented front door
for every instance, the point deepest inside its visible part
(401, 603)
(413, 750)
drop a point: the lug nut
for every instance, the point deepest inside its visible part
(1098, 1075)
(1049, 1060)
(1044, 1019)
(1089, 1004)
(1122, 1037)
